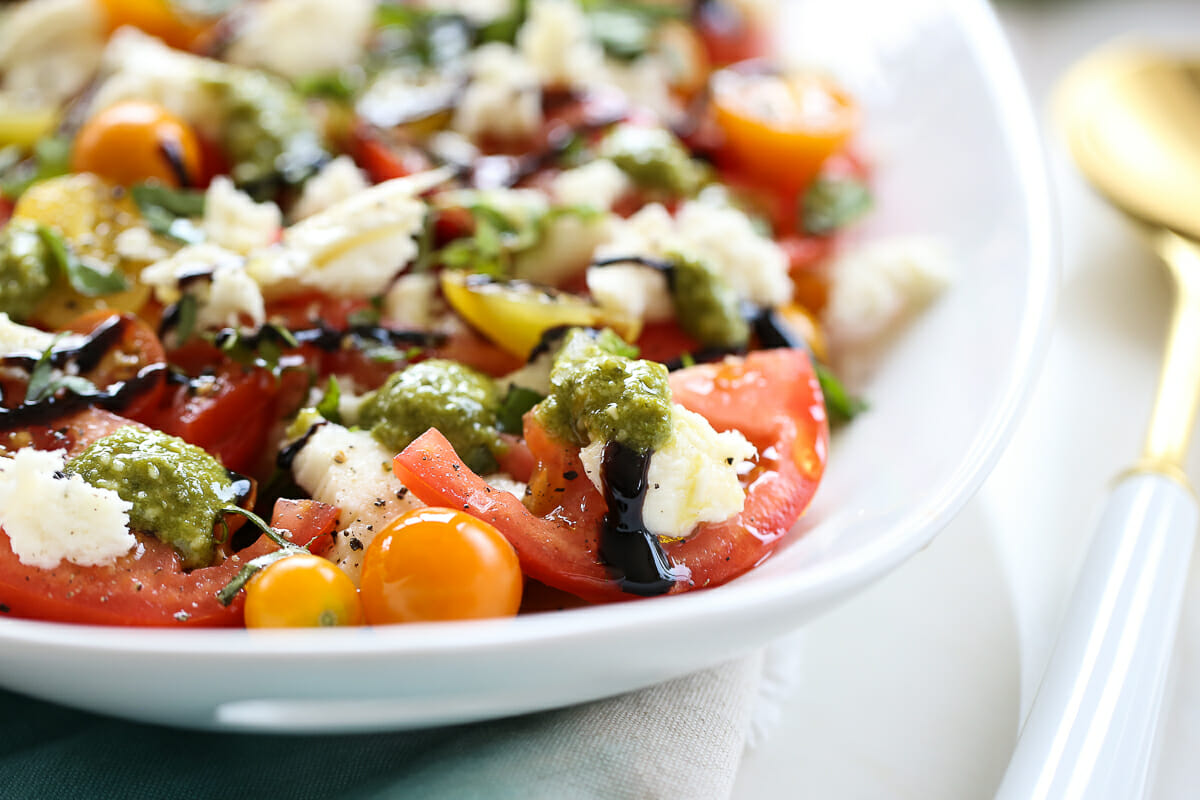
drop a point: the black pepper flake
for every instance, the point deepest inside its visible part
(356, 544)
(380, 502)
(570, 475)
(560, 488)
(5, 609)
(729, 461)
(370, 527)
(454, 467)
(528, 493)
(466, 506)
(656, 486)
(402, 492)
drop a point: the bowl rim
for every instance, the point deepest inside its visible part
(819, 582)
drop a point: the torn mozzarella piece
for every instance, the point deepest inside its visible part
(881, 283)
(18, 338)
(49, 49)
(478, 12)
(357, 246)
(414, 301)
(693, 478)
(556, 40)
(225, 292)
(353, 471)
(234, 221)
(338, 180)
(597, 184)
(723, 237)
(50, 518)
(503, 99)
(295, 38)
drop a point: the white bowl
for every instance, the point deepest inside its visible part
(958, 158)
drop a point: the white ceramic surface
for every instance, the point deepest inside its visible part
(959, 158)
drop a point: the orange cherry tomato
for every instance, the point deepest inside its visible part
(780, 130)
(135, 141)
(434, 564)
(159, 18)
(302, 591)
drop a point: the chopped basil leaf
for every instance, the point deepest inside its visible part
(43, 382)
(168, 211)
(185, 320)
(343, 84)
(513, 407)
(832, 203)
(84, 278)
(328, 407)
(841, 405)
(51, 158)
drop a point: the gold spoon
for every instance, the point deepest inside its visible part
(1132, 121)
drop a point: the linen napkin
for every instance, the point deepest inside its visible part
(683, 738)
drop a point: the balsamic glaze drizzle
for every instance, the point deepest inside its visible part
(634, 554)
(84, 353)
(172, 153)
(242, 486)
(288, 454)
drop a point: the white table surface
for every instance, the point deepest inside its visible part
(915, 688)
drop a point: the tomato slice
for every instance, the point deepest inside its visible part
(138, 347)
(772, 397)
(307, 520)
(147, 587)
(229, 415)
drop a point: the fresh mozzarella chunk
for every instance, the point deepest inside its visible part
(49, 49)
(645, 83)
(18, 338)
(189, 262)
(477, 11)
(505, 483)
(636, 292)
(693, 478)
(598, 184)
(140, 67)
(353, 471)
(232, 295)
(137, 243)
(227, 296)
(357, 246)
(503, 99)
(753, 265)
(564, 250)
(413, 301)
(302, 37)
(881, 283)
(338, 180)
(51, 518)
(234, 221)
(555, 39)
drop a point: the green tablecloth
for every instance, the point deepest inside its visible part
(681, 739)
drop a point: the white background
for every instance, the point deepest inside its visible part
(915, 688)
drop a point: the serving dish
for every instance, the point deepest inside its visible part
(958, 158)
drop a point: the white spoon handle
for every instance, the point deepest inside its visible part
(1089, 733)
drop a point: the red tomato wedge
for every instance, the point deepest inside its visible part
(148, 587)
(772, 397)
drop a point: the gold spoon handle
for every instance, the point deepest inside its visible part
(1174, 412)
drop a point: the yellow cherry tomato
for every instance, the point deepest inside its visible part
(159, 18)
(435, 564)
(135, 141)
(302, 591)
(780, 129)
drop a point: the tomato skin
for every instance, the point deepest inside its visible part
(438, 564)
(728, 37)
(148, 587)
(772, 397)
(138, 347)
(785, 153)
(307, 520)
(157, 18)
(302, 591)
(128, 142)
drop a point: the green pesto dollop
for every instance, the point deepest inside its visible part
(25, 273)
(460, 402)
(178, 491)
(267, 134)
(655, 159)
(706, 306)
(599, 393)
